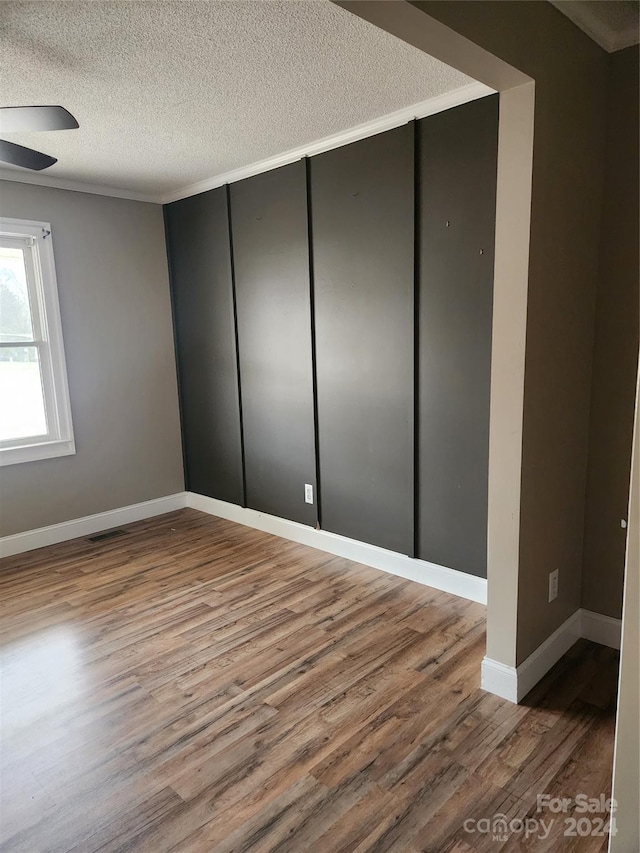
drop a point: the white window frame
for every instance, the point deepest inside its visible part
(47, 329)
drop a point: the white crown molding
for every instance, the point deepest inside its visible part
(438, 104)
(18, 543)
(421, 571)
(513, 683)
(624, 40)
(462, 95)
(39, 180)
(598, 31)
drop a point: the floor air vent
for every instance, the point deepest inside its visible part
(110, 534)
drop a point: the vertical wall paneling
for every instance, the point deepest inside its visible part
(271, 266)
(235, 338)
(362, 215)
(314, 357)
(200, 268)
(457, 163)
(333, 327)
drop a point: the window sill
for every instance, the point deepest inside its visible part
(33, 452)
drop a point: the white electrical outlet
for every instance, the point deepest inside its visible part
(308, 493)
(553, 584)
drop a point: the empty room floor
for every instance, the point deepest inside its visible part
(193, 685)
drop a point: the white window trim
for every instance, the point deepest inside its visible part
(59, 440)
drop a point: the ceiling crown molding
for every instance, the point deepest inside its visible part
(24, 177)
(438, 104)
(462, 95)
(584, 16)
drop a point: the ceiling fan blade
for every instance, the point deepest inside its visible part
(28, 158)
(30, 119)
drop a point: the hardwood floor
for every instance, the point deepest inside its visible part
(196, 686)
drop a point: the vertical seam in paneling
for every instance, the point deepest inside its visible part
(312, 313)
(416, 337)
(237, 343)
(176, 351)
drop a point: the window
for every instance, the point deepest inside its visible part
(35, 415)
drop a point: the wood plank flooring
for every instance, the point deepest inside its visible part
(196, 686)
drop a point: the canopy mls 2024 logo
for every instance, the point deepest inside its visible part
(584, 816)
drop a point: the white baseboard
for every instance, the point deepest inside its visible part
(89, 524)
(605, 630)
(513, 683)
(421, 571)
(499, 679)
(548, 654)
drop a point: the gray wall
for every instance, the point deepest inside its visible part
(571, 74)
(116, 318)
(362, 216)
(616, 347)
(197, 230)
(361, 203)
(271, 264)
(457, 155)
(626, 763)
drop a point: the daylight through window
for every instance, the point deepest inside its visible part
(35, 415)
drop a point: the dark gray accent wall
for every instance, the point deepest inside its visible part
(362, 223)
(333, 324)
(197, 230)
(457, 163)
(271, 263)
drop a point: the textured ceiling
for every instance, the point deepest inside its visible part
(168, 94)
